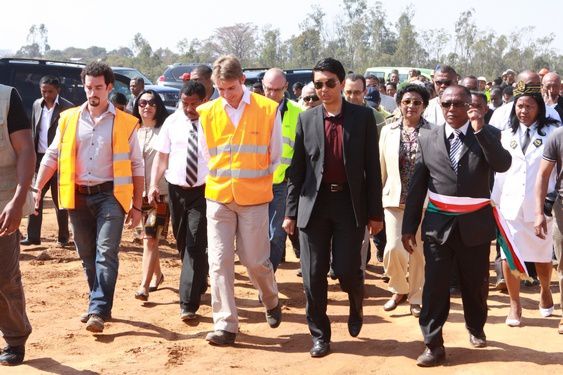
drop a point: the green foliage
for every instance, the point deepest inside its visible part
(361, 36)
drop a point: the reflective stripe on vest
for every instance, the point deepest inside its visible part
(289, 127)
(123, 126)
(239, 164)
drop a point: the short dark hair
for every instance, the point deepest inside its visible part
(118, 98)
(50, 80)
(420, 90)
(480, 95)
(445, 69)
(297, 85)
(138, 80)
(193, 88)
(96, 69)
(354, 77)
(161, 112)
(466, 92)
(331, 65)
(372, 76)
(392, 84)
(508, 90)
(204, 71)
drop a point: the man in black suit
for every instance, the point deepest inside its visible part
(44, 121)
(334, 191)
(454, 160)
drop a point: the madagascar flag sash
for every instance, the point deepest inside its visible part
(454, 206)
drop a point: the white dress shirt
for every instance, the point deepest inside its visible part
(449, 130)
(94, 149)
(433, 113)
(235, 115)
(173, 140)
(44, 124)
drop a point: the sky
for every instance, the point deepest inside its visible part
(112, 24)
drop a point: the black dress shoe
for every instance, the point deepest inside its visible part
(320, 349)
(355, 321)
(274, 316)
(478, 341)
(431, 357)
(27, 242)
(12, 355)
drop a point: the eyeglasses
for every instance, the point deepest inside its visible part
(272, 89)
(330, 83)
(454, 104)
(143, 103)
(446, 82)
(310, 98)
(414, 102)
(353, 92)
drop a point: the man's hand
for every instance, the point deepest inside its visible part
(540, 225)
(288, 225)
(375, 226)
(409, 242)
(10, 218)
(476, 118)
(133, 218)
(154, 195)
(37, 201)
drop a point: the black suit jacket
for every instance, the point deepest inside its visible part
(482, 153)
(361, 162)
(36, 113)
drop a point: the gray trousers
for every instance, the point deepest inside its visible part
(14, 324)
(558, 243)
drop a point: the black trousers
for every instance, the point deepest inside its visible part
(35, 221)
(472, 263)
(332, 228)
(189, 223)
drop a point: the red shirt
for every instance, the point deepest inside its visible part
(334, 172)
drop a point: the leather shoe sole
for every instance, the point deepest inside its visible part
(320, 349)
(430, 358)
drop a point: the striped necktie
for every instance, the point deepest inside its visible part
(455, 148)
(191, 160)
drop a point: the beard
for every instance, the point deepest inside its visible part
(94, 101)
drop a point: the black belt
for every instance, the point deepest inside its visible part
(335, 188)
(191, 187)
(95, 189)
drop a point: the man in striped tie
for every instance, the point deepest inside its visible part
(179, 160)
(455, 162)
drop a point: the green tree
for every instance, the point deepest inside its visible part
(408, 52)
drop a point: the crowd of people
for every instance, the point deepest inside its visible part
(431, 170)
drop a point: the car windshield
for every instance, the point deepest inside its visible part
(131, 73)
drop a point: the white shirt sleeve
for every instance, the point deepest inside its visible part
(162, 143)
(202, 144)
(136, 156)
(276, 143)
(51, 158)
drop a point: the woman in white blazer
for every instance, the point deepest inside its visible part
(513, 192)
(398, 144)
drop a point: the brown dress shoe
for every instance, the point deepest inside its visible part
(432, 357)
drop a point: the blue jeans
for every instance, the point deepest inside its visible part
(97, 224)
(276, 210)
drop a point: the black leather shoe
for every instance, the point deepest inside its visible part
(12, 355)
(64, 243)
(355, 322)
(186, 314)
(27, 242)
(320, 349)
(478, 341)
(432, 357)
(274, 316)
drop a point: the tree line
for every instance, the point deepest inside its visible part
(364, 36)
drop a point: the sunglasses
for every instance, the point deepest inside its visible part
(408, 102)
(310, 98)
(454, 104)
(446, 82)
(331, 83)
(143, 103)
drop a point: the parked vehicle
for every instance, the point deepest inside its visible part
(170, 95)
(24, 75)
(382, 72)
(292, 75)
(172, 76)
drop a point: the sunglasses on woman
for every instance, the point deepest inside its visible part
(310, 98)
(414, 102)
(143, 103)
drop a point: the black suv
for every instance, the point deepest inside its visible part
(293, 75)
(24, 75)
